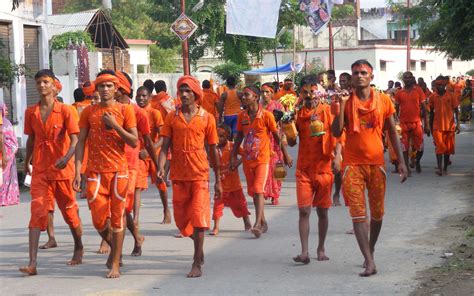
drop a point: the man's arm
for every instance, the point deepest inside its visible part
(62, 162)
(221, 104)
(150, 148)
(217, 171)
(456, 116)
(130, 137)
(162, 157)
(426, 123)
(235, 150)
(395, 140)
(79, 158)
(286, 156)
(338, 123)
(30, 142)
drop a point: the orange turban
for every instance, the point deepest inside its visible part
(124, 84)
(58, 85)
(193, 84)
(106, 78)
(88, 90)
(266, 87)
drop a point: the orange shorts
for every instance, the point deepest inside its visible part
(191, 205)
(106, 195)
(43, 193)
(132, 182)
(256, 178)
(415, 130)
(313, 189)
(354, 181)
(147, 168)
(235, 200)
(444, 142)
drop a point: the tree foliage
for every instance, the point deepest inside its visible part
(340, 12)
(162, 60)
(62, 41)
(446, 25)
(229, 69)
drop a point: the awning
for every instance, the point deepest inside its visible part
(387, 61)
(273, 70)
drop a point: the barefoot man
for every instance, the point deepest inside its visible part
(147, 167)
(52, 137)
(107, 127)
(443, 109)
(314, 175)
(255, 126)
(185, 132)
(364, 114)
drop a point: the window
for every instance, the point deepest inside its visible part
(423, 65)
(383, 65)
(413, 65)
(449, 64)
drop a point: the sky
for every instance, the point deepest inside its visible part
(372, 3)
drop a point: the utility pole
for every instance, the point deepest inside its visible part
(185, 45)
(408, 40)
(294, 52)
(107, 4)
(331, 47)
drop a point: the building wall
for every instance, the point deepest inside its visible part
(32, 13)
(139, 54)
(122, 59)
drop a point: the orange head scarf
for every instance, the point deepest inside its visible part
(356, 107)
(124, 84)
(106, 78)
(88, 90)
(266, 87)
(193, 84)
(58, 85)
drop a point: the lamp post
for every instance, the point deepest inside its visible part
(185, 45)
(408, 40)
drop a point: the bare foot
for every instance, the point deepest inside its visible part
(28, 270)
(195, 271)
(178, 235)
(137, 249)
(322, 255)
(104, 248)
(302, 259)
(166, 218)
(369, 270)
(256, 232)
(265, 227)
(114, 272)
(109, 263)
(409, 173)
(275, 202)
(438, 172)
(335, 201)
(49, 245)
(351, 231)
(418, 167)
(215, 231)
(76, 257)
(247, 226)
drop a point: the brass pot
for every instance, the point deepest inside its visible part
(279, 172)
(317, 128)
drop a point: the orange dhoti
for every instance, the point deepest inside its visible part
(444, 141)
(106, 195)
(415, 130)
(191, 205)
(256, 177)
(313, 189)
(147, 168)
(43, 193)
(235, 200)
(354, 181)
(132, 185)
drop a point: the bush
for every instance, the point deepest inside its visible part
(62, 41)
(470, 72)
(230, 69)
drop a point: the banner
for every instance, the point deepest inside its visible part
(318, 12)
(257, 18)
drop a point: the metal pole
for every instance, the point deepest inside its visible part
(408, 41)
(185, 45)
(331, 47)
(294, 52)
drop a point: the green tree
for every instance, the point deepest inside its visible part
(446, 25)
(163, 60)
(230, 69)
(62, 41)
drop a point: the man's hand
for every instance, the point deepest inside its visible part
(160, 173)
(109, 120)
(427, 130)
(61, 163)
(27, 168)
(458, 129)
(336, 163)
(343, 96)
(288, 160)
(143, 154)
(76, 184)
(217, 190)
(233, 163)
(402, 171)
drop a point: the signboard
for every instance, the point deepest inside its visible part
(183, 27)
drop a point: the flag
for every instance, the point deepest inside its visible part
(257, 18)
(318, 12)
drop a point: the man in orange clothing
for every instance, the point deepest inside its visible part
(314, 175)
(185, 132)
(232, 193)
(162, 101)
(107, 127)
(210, 99)
(443, 109)
(364, 114)
(230, 105)
(147, 166)
(52, 137)
(285, 90)
(410, 105)
(255, 126)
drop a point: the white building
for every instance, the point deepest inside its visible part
(139, 50)
(388, 61)
(24, 36)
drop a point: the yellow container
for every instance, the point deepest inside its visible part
(317, 128)
(279, 173)
(290, 130)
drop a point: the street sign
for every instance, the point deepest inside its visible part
(183, 27)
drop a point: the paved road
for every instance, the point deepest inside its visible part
(238, 264)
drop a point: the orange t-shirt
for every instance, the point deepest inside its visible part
(51, 139)
(163, 102)
(230, 179)
(256, 136)
(106, 147)
(143, 128)
(155, 120)
(366, 146)
(80, 106)
(410, 102)
(443, 111)
(189, 162)
(209, 101)
(232, 103)
(310, 149)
